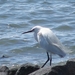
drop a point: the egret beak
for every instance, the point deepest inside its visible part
(28, 31)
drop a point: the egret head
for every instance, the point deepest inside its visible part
(34, 29)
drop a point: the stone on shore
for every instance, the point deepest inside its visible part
(57, 70)
(4, 70)
(26, 69)
(31, 69)
(13, 71)
(67, 69)
(70, 65)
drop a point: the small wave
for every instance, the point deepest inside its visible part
(39, 21)
(64, 28)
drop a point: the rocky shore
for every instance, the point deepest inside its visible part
(31, 69)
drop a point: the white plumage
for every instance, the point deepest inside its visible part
(48, 40)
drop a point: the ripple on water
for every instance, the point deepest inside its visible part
(64, 28)
(39, 21)
(17, 16)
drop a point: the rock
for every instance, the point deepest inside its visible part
(12, 71)
(57, 70)
(70, 65)
(31, 69)
(3, 73)
(67, 69)
(26, 69)
(42, 71)
(4, 70)
(4, 56)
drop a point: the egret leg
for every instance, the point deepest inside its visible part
(46, 61)
(50, 59)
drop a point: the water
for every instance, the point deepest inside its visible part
(17, 16)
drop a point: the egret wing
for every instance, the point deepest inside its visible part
(50, 42)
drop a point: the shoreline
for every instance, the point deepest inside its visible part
(31, 69)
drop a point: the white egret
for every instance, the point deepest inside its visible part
(48, 40)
